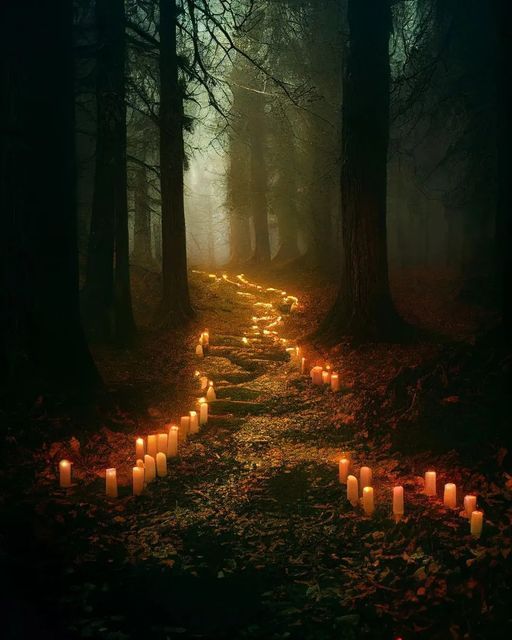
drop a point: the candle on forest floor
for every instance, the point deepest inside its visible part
(477, 523)
(140, 462)
(450, 495)
(326, 377)
(316, 375)
(161, 464)
(172, 442)
(194, 421)
(184, 427)
(162, 443)
(149, 468)
(344, 466)
(365, 477)
(139, 448)
(204, 382)
(430, 483)
(210, 394)
(203, 411)
(368, 504)
(65, 473)
(352, 490)
(469, 505)
(303, 366)
(111, 483)
(138, 480)
(199, 350)
(205, 338)
(152, 446)
(398, 501)
(335, 382)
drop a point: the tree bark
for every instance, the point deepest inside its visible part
(107, 296)
(364, 308)
(175, 306)
(42, 337)
(142, 219)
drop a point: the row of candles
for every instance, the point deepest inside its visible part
(367, 500)
(151, 454)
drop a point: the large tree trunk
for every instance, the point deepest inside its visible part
(107, 298)
(142, 218)
(364, 308)
(175, 305)
(42, 338)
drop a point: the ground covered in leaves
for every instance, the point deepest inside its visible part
(250, 535)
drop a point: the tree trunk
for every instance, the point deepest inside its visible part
(107, 297)
(142, 219)
(175, 305)
(42, 337)
(364, 308)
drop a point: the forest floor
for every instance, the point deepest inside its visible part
(250, 535)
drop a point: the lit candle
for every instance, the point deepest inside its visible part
(184, 427)
(477, 522)
(162, 442)
(303, 366)
(352, 490)
(139, 448)
(326, 377)
(344, 466)
(199, 350)
(111, 483)
(430, 483)
(450, 495)
(316, 375)
(335, 382)
(210, 394)
(203, 411)
(152, 446)
(149, 468)
(469, 505)
(161, 464)
(398, 501)
(172, 442)
(205, 337)
(140, 463)
(138, 480)
(65, 473)
(368, 505)
(365, 477)
(204, 382)
(194, 422)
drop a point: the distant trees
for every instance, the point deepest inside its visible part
(43, 348)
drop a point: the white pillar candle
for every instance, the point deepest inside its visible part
(203, 411)
(162, 442)
(398, 501)
(477, 522)
(205, 338)
(326, 377)
(316, 375)
(161, 464)
(469, 505)
(65, 473)
(210, 394)
(450, 495)
(152, 446)
(172, 442)
(335, 382)
(344, 466)
(430, 483)
(199, 350)
(184, 427)
(140, 463)
(303, 365)
(204, 382)
(138, 480)
(365, 477)
(194, 421)
(368, 504)
(352, 490)
(139, 448)
(111, 483)
(149, 468)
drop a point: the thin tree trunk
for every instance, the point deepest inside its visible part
(41, 329)
(364, 308)
(175, 305)
(142, 220)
